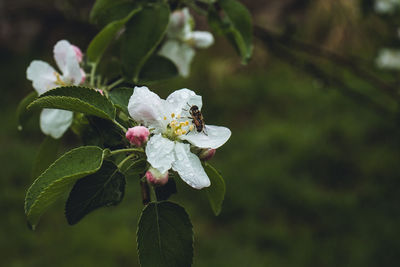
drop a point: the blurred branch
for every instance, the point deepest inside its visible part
(284, 51)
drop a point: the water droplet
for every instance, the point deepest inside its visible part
(19, 127)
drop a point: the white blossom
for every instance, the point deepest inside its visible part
(182, 41)
(55, 122)
(173, 131)
(388, 59)
(386, 6)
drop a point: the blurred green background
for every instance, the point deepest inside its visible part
(312, 167)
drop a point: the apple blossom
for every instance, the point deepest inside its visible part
(138, 135)
(388, 59)
(386, 6)
(55, 122)
(173, 132)
(181, 41)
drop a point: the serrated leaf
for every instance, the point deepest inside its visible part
(46, 155)
(105, 132)
(240, 29)
(120, 97)
(157, 68)
(58, 179)
(216, 191)
(103, 188)
(106, 11)
(22, 113)
(100, 42)
(165, 236)
(142, 35)
(78, 99)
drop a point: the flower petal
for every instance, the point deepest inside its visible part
(189, 167)
(159, 152)
(148, 108)
(67, 61)
(55, 122)
(181, 100)
(42, 76)
(202, 39)
(179, 26)
(212, 137)
(179, 53)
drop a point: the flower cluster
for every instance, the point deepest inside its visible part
(173, 133)
(55, 122)
(181, 41)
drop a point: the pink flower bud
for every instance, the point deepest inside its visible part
(78, 53)
(83, 76)
(207, 154)
(154, 177)
(101, 92)
(137, 135)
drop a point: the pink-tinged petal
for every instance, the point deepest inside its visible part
(78, 53)
(181, 54)
(149, 109)
(55, 122)
(212, 137)
(202, 39)
(182, 100)
(67, 62)
(179, 25)
(83, 76)
(189, 167)
(159, 152)
(42, 76)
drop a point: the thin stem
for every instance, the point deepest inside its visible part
(126, 150)
(92, 74)
(115, 84)
(145, 192)
(125, 160)
(120, 126)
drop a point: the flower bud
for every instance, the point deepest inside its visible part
(101, 92)
(154, 177)
(207, 154)
(137, 135)
(78, 53)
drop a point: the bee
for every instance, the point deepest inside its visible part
(197, 118)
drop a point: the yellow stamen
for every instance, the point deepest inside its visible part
(184, 132)
(165, 118)
(186, 123)
(173, 115)
(58, 79)
(178, 132)
(179, 116)
(191, 128)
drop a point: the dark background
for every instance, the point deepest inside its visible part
(312, 167)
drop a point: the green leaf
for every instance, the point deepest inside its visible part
(103, 133)
(78, 99)
(58, 178)
(103, 188)
(143, 33)
(216, 191)
(165, 236)
(100, 42)
(166, 191)
(157, 68)
(22, 114)
(106, 11)
(120, 97)
(240, 29)
(46, 155)
(133, 168)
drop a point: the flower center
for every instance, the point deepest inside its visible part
(58, 79)
(178, 126)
